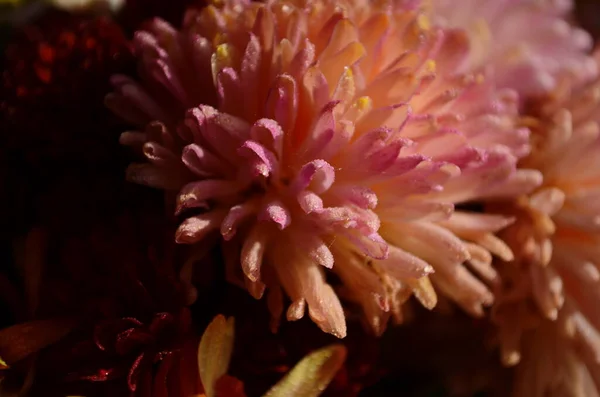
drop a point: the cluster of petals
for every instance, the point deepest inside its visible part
(524, 44)
(552, 288)
(317, 135)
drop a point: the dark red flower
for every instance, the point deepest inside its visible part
(54, 126)
(126, 308)
(54, 81)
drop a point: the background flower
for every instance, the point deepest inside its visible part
(555, 240)
(527, 44)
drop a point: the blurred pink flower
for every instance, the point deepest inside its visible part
(525, 43)
(317, 132)
(554, 283)
(557, 360)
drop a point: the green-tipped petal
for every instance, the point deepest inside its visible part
(310, 377)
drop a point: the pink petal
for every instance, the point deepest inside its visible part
(321, 132)
(303, 59)
(269, 134)
(195, 228)
(236, 215)
(195, 194)
(366, 144)
(326, 310)
(264, 28)
(304, 281)
(441, 241)
(384, 158)
(337, 216)
(310, 202)
(317, 250)
(202, 162)
(159, 155)
(404, 164)
(413, 209)
(316, 85)
(373, 245)
(222, 133)
(469, 224)
(367, 221)
(361, 196)
(318, 176)
(253, 251)
(401, 264)
(390, 116)
(250, 69)
(275, 211)
(282, 102)
(263, 161)
(229, 89)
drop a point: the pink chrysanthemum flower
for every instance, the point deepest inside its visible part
(526, 43)
(310, 133)
(556, 240)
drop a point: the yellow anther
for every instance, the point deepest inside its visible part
(430, 66)
(482, 29)
(364, 102)
(223, 52)
(423, 22)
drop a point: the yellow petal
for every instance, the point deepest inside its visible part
(214, 352)
(310, 377)
(21, 340)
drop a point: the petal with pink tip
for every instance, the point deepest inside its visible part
(318, 176)
(361, 196)
(367, 144)
(372, 245)
(277, 212)
(236, 215)
(228, 88)
(390, 116)
(253, 251)
(317, 250)
(302, 60)
(202, 124)
(202, 162)
(195, 194)
(263, 161)
(269, 134)
(401, 264)
(282, 102)
(195, 228)
(159, 155)
(310, 202)
(384, 158)
(249, 74)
